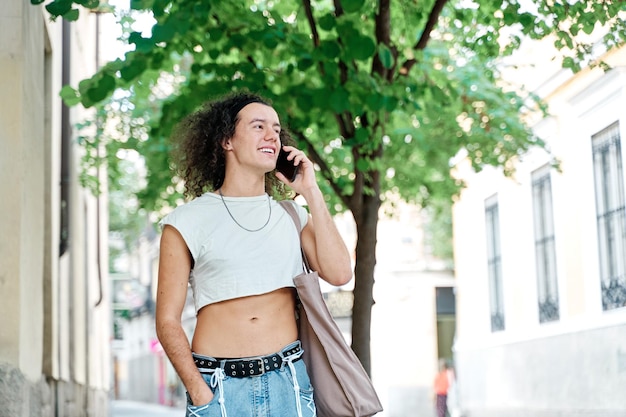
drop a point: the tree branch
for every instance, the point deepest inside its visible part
(433, 17)
(309, 17)
(383, 36)
(338, 8)
(359, 185)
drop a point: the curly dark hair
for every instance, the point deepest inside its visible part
(197, 145)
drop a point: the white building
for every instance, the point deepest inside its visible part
(54, 298)
(541, 259)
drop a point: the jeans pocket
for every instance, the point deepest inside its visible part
(197, 410)
(307, 402)
(203, 410)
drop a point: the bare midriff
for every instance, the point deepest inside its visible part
(249, 326)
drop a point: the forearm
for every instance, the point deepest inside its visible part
(176, 346)
(331, 254)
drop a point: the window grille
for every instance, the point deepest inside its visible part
(494, 264)
(545, 251)
(611, 221)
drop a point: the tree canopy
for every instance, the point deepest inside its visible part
(381, 94)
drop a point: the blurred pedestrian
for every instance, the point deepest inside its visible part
(441, 386)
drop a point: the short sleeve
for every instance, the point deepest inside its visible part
(303, 214)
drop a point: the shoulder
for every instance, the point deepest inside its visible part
(190, 210)
(301, 212)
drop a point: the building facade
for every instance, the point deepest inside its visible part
(541, 258)
(54, 301)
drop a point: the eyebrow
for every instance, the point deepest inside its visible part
(257, 119)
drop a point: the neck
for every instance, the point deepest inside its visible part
(243, 187)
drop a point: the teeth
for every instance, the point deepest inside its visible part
(267, 150)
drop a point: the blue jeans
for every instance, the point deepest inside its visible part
(284, 392)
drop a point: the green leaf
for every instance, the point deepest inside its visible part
(588, 27)
(163, 33)
(59, 7)
(361, 135)
(330, 49)
(510, 18)
(374, 102)
(159, 6)
(238, 40)
(202, 8)
(103, 88)
(390, 103)
(320, 98)
(71, 16)
(352, 6)
(135, 67)
(360, 47)
(89, 4)
(141, 4)
(270, 40)
(527, 20)
(362, 165)
(85, 85)
(157, 60)
(327, 22)
(215, 34)
(69, 96)
(339, 100)
(305, 62)
(196, 68)
(568, 62)
(36, 1)
(304, 101)
(141, 44)
(385, 56)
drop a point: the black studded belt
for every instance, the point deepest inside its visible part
(241, 368)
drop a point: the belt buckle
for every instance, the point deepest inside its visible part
(262, 366)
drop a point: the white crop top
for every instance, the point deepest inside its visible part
(230, 262)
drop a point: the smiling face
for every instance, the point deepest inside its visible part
(255, 143)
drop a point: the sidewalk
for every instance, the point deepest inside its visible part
(120, 408)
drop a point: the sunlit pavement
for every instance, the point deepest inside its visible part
(120, 408)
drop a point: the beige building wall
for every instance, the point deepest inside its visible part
(54, 307)
(573, 366)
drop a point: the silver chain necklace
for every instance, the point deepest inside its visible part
(269, 205)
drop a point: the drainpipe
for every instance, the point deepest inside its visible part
(98, 173)
(65, 183)
(64, 237)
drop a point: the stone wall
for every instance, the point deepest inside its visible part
(47, 398)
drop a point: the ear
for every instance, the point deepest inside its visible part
(227, 145)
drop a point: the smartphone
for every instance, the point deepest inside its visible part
(285, 167)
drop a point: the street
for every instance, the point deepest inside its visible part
(138, 409)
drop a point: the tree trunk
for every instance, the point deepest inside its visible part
(366, 224)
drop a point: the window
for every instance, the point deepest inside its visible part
(611, 222)
(545, 253)
(494, 264)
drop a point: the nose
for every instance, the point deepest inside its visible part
(272, 135)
